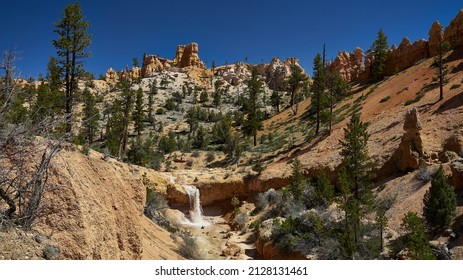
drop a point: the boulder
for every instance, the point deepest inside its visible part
(454, 144)
(457, 253)
(457, 174)
(232, 250)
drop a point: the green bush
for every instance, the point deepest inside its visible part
(384, 99)
(455, 86)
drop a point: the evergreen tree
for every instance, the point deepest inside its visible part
(275, 99)
(192, 118)
(297, 81)
(221, 131)
(318, 89)
(337, 88)
(296, 187)
(217, 97)
(114, 127)
(253, 122)
(50, 100)
(323, 190)
(201, 138)
(233, 147)
(203, 97)
(416, 240)
(151, 94)
(90, 117)
(120, 118)
(135, 62)
(380, 51)
(439, 202)
(73, 40)
(356, 177)
(138, 115)
(442, 70)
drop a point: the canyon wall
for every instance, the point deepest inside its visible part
(355, 66)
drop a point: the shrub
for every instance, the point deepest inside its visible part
(210, 157)
(418, 97)
(189, 247)
(51, 252)
(455, 86)
(384, 99)
(258, 167)
(239, 221)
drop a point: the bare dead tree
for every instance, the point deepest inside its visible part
(24, 158)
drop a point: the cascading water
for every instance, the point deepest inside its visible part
(196, 211)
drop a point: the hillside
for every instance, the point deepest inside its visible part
(172, 160)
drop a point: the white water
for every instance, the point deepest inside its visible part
(196, 211)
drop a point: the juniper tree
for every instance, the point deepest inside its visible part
(439, 202)
(73, 40)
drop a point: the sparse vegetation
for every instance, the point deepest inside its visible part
(455, 86)
(384, 99)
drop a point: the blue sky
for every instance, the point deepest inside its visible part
(225, 30)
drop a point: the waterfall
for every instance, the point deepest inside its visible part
(196, 211)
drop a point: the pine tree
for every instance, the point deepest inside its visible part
(323, 190)
(442, 70)
(253, 122)
(416, 240)
(439, 202)
(337, 88)
(73, 40)
(120, 118)
(201, 138)
(50, 100)
(275, 99)
(151, 94)
(297, 81)
(90, 117)
(356, 177)
(380, 51)
(296, 186)
(138, 115)
(318, 89)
